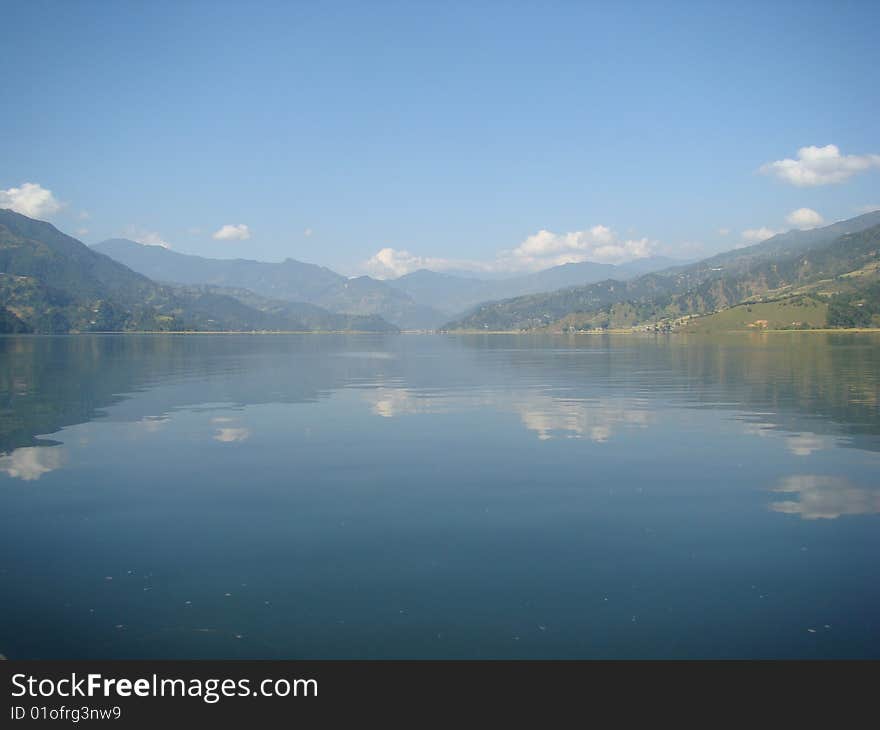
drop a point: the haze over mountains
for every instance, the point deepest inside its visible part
(288, 280)
(50, 282)
(453, 294)
(420, 300)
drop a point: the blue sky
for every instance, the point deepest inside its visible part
(508, 136)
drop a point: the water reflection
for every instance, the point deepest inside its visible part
(804, 444)
(825, 497)
(152, 424)
(547, 416)
(229, 433)
(29, 463)
(594, 420)
(439, 496)
(816, 392)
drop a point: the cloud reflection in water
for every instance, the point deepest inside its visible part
(29, 463)
(824, 497)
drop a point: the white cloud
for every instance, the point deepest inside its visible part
(539, 251)
(82, 231)
(232, 232)
(598, 243)
(152, 239)
(308, 232)
(29, 463)
(144, 237)
(390, 263)
(756, 235)
(723, 231)
(31, 199)
(819, 166)
(804, 218)
(870, 208)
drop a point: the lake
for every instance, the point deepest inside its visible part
(429, 496)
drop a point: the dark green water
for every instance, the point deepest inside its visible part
(431, 496)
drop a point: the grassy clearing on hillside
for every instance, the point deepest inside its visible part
(802, 313)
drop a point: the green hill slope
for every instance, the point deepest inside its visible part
(52, 283)
(774, 268)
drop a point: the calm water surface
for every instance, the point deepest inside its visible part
(440, 496)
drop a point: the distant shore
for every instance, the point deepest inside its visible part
(590, 333)
(634, 331)
(235, 332)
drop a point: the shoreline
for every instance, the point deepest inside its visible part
(590, 333)
(198, 332)
(632, 331)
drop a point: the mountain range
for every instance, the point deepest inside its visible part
(50, 282)
(452, 294)
(420, 300)
(822, 262)
(289, 280)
